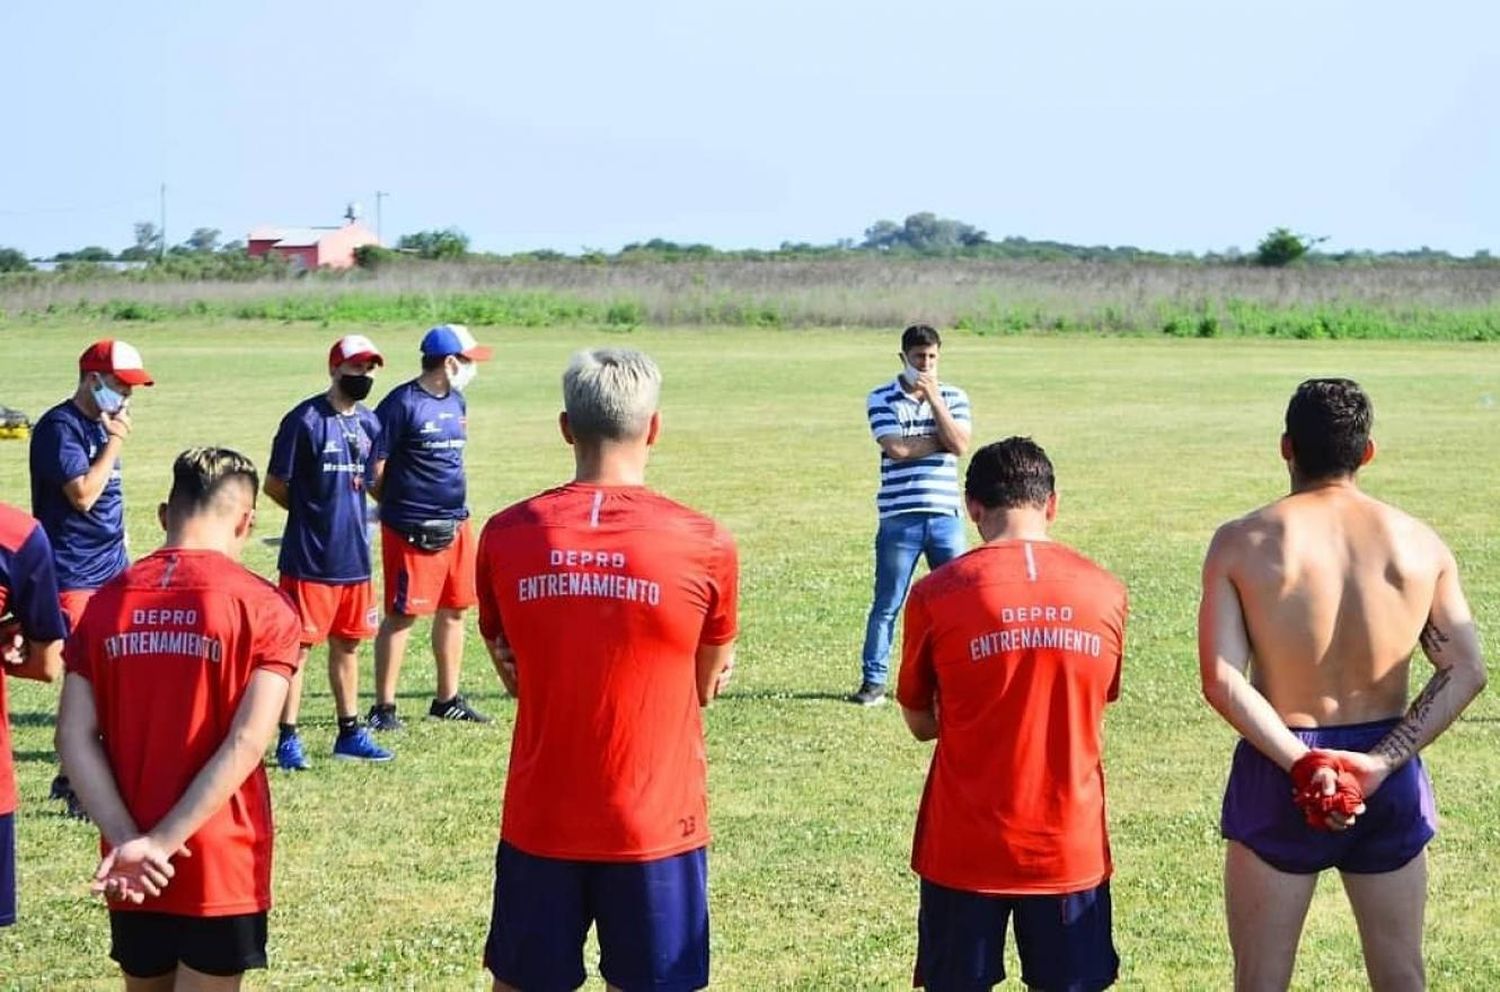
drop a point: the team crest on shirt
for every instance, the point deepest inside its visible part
(330, 447)
(428, 427)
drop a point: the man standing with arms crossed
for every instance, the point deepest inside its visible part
(1329, 591)
(317, 474)
(75, 482)
(32, 628)
(1009, 656)
(426, 543)
(175, 679)
(922, 427)
(610, 613)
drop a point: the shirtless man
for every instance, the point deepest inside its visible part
(1329, 591)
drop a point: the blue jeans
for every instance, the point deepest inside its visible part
(899, 542)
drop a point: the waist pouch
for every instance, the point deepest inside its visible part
(431, 535)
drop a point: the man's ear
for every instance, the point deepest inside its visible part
(161, 515)
(562, 425)
(1369, 455)
(653, 429)
(974, 508)
(1051, 508)
(1286, 448)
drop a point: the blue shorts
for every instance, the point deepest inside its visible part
(652, 918)
(7, 867)
(1065, 941)
(1399, 819)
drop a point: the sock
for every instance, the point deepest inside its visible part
(348, 725)
(287, 730)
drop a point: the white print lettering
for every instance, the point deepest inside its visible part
(598, 559)
(1022, 633)
(185, 643)
(163, 618)
(597, 584)
(1035, 614)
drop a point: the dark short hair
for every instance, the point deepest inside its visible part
(919, 335)
(430, 362)
(1014, 472)
(201, 475)
(1328, 422)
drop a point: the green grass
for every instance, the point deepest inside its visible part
(383, 874)
(627, 310)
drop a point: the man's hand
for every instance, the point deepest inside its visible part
(1369, 770)
(928, 387)
(725, 676)
(12, 643)
(136, 869)
(117, 424)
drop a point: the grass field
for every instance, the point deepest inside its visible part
(383, 874)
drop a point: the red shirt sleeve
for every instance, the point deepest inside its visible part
(722, 622)
(1124, 614)
(76, 657)
(484, 580)
(278, 636)
(917, 682)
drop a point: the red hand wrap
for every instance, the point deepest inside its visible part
(1316, 807)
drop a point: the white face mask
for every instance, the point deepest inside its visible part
(460, 379)
(110, 401)
(910, 373)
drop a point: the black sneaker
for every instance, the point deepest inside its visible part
(75, 810)
(383, 717)
(456, 708)
(869, 694)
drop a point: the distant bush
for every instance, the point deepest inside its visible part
(12, 260)
(1280, 247)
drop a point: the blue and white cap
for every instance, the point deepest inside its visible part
(454, 339)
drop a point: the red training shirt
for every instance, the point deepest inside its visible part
(605, 594)
(169, 648)
(1021, 643)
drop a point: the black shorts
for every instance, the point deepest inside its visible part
(148, 945)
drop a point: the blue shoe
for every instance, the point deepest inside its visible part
(290, 756)
(360, 746)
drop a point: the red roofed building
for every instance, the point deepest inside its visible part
(312, 247)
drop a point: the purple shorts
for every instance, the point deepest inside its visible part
(1399, 819)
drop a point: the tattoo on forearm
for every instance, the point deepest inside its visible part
(1432, 638)
(1402, 742)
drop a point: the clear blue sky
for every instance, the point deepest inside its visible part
(1171, 125)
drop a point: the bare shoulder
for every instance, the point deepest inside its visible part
(1416, 539)
(1246, 534)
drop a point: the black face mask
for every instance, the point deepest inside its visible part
(356, 387)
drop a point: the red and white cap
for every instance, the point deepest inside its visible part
(354, 348)
(118, 359)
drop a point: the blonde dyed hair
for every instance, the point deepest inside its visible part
(610, 393)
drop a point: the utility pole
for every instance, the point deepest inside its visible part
(379, 195)
(161, 246)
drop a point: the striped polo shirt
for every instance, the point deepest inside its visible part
(920, 485)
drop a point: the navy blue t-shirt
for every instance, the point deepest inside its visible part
(89, 548)
(322, 456)
(422, 439)
(28, 578)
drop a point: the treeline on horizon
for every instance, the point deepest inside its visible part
(919, 236)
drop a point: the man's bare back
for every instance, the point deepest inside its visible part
(1335, 587)
(1311, 610)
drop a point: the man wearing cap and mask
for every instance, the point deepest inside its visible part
(75, 483)
(426, 544)
(317, 471)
